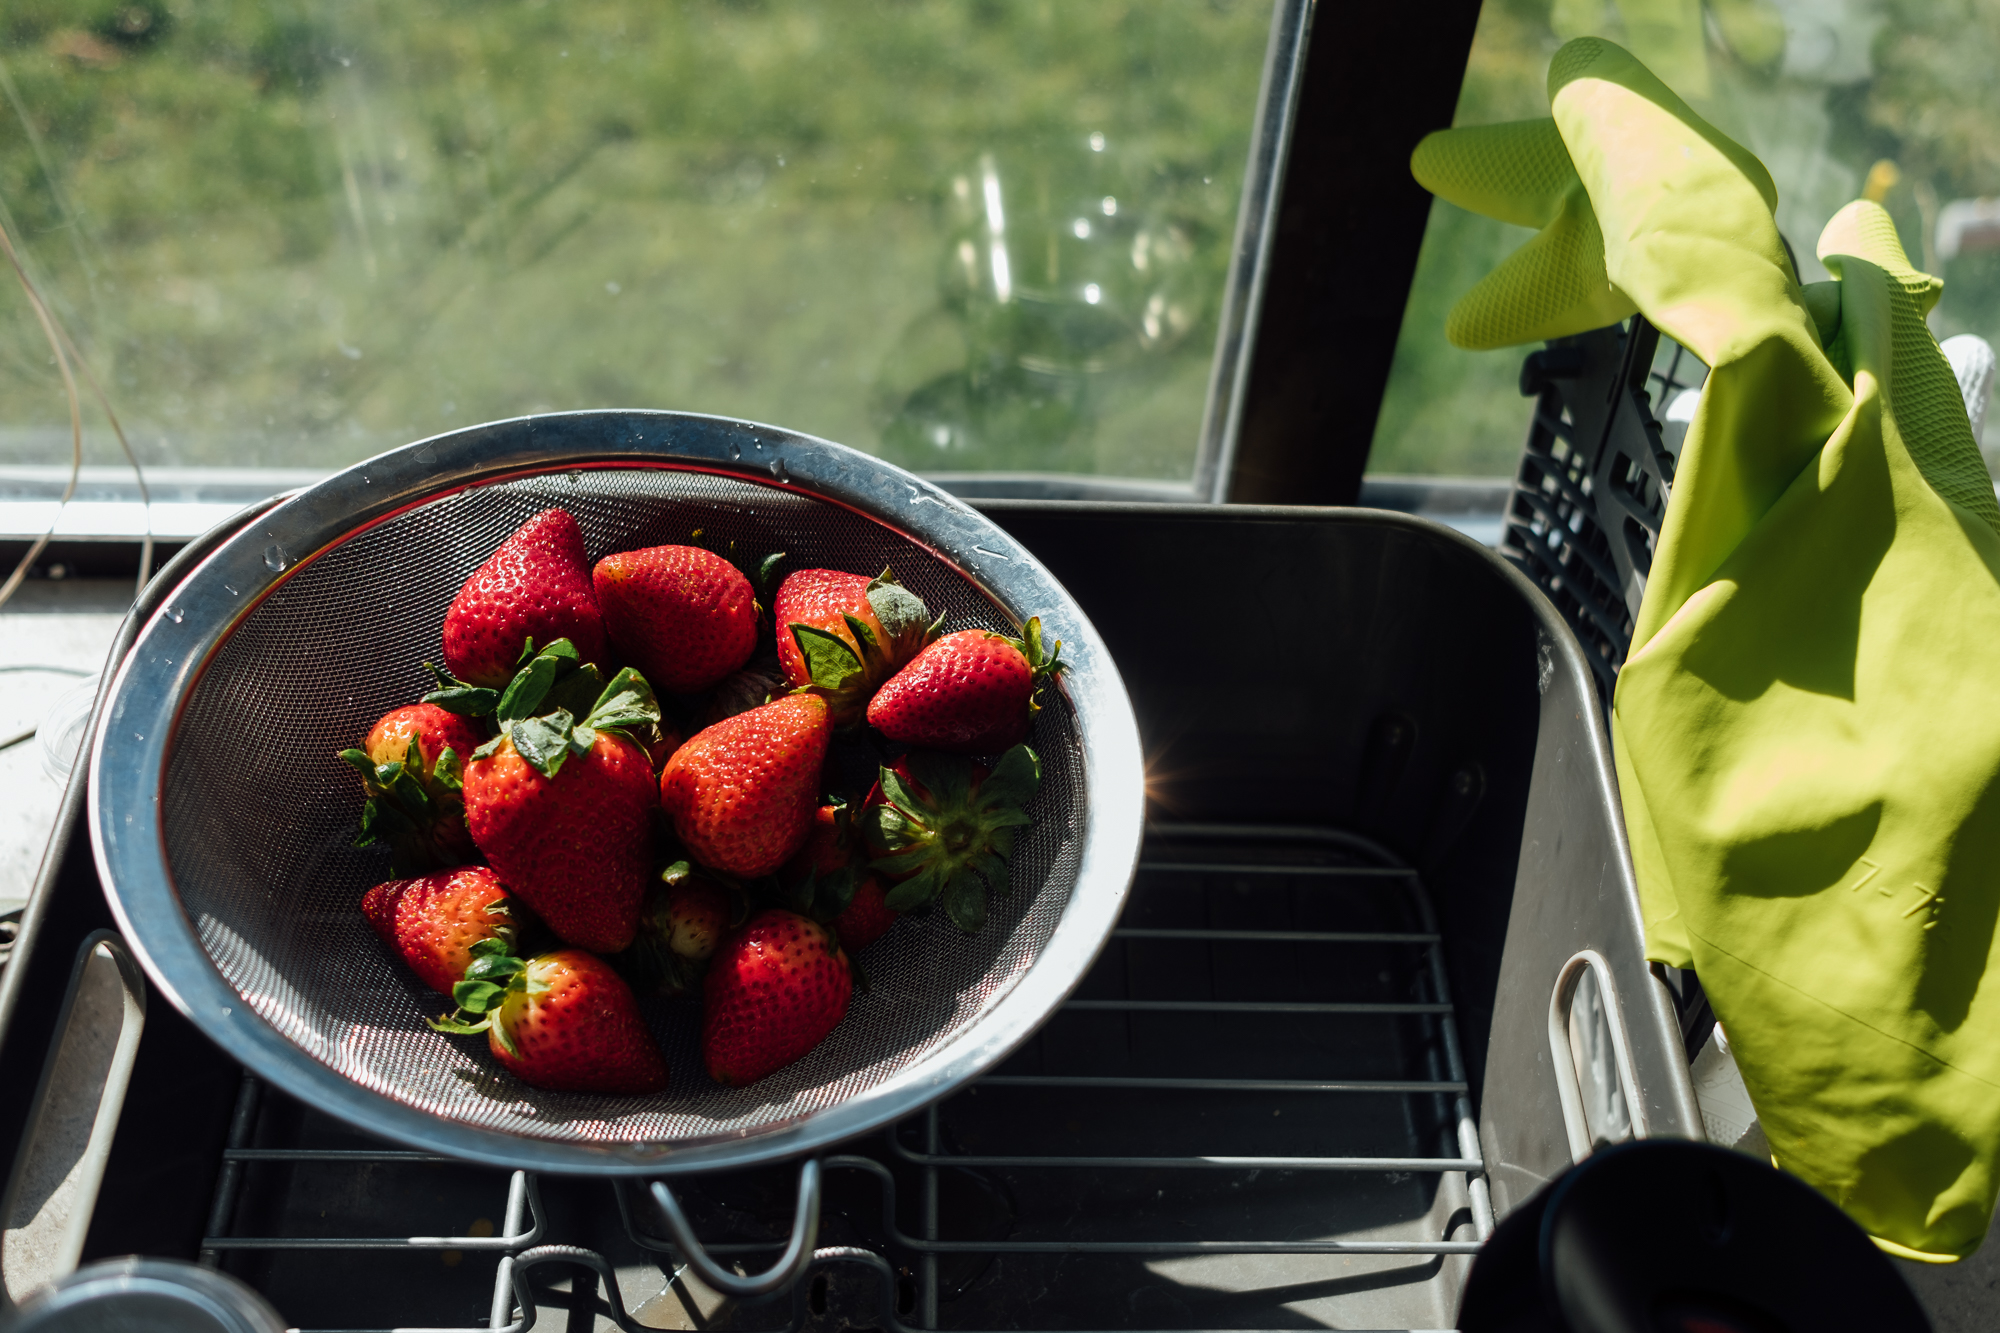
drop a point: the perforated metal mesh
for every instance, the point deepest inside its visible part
(259, 814)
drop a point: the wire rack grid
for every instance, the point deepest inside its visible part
(1429, 1095)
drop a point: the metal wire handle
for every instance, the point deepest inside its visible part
(805, 1231)
(1575, 1121)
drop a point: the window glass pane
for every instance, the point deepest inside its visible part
(1896, 99)
(985, 235)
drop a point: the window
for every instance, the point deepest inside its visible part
(1895, 99)
(989, 235)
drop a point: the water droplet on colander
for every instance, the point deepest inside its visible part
(427, 455)
(575, 477)
(275, 558)
(735, 450)
(231, 590)
(778, 471)
(175, 614)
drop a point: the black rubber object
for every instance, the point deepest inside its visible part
(1669, 1236)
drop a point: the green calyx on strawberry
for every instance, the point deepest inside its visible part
(540, 708)
(847, 669)
(493, 972)
(947, 832)
(820, 881)
(831, 882)
(434, 921)
(462, 697)
(1043, 661)
(563, 1020)
(413, 805)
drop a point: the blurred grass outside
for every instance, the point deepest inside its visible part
(294, 234)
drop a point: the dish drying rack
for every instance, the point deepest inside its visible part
(1595, 474)
(1250, 940)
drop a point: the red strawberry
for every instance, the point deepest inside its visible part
(432, 922)
(682, 922)
(971, 692)
(536, 586)
(837, 863)
(944, 827)
(412, 788)
(564, 1021)
(563, 807)
(435, 730)
(775, 989)
(847, 634)
(577, 846)
(741, 793)
(684, 616)
(867, 916)
(698, 914)
(822, 599)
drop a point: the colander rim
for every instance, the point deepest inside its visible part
(133, 744)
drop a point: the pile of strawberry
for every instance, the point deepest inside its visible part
(560, 850)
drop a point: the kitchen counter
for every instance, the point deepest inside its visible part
(67, 624)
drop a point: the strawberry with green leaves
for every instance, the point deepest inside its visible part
(581, 681)
(943, 827)
(972, 692)
(774, 990)
(535, 587)
(434, 921)
(564, 1021)
(561, 801)
(411, 768)
(830, 879)
(741, 793)
(685, 916)
(684, 615)
(844, 635)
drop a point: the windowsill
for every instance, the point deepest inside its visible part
(67, 624)
(188, 501)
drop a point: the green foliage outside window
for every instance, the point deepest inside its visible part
(296, 233)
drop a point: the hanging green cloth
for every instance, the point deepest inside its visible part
(1807, 728)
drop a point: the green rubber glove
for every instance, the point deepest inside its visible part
(1807, 729)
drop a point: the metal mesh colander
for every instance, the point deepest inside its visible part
(256, 815)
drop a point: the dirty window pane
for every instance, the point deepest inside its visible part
(1895, 99)
(966, 236)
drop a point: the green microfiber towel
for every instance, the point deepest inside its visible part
(1807, 728)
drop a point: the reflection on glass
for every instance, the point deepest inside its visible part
(969, 236)
(1052, 304)
(1892, 99)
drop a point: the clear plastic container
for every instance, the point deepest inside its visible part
(63, 728)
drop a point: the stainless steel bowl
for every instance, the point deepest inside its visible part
(221, 821)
